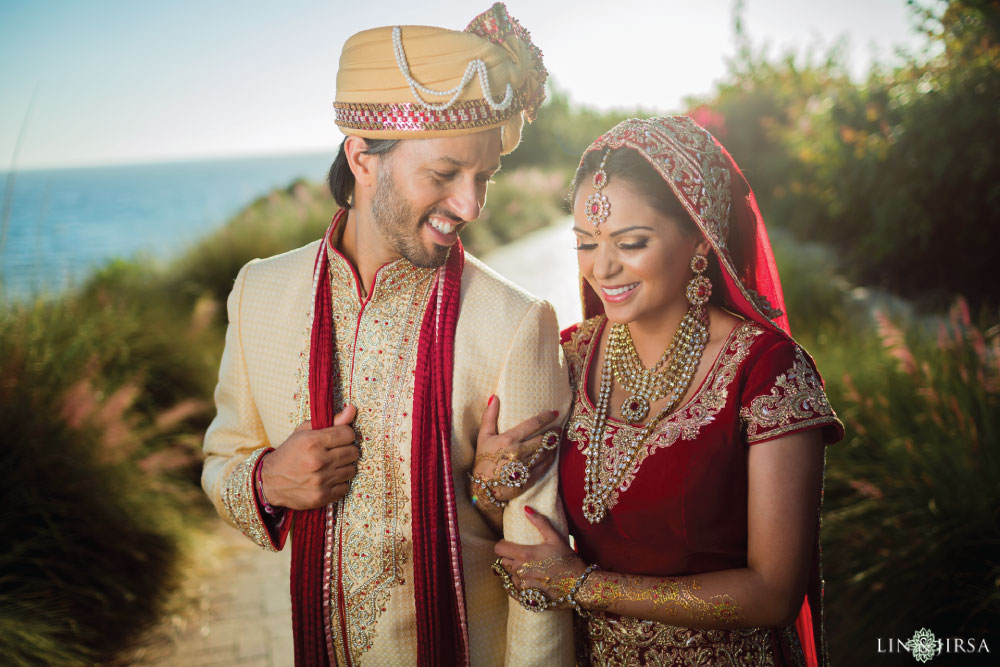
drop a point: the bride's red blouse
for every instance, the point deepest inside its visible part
(682, 509)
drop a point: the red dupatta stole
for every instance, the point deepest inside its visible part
(442, 629)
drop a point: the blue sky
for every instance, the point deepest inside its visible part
(121, 81)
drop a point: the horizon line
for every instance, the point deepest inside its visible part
(168, 159)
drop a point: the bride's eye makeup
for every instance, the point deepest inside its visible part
(637, 244)
(584, 246)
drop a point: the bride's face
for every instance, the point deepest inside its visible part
(639, 265)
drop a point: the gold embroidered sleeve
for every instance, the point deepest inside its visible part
(577, 346)
(794, 401)
(240, 501)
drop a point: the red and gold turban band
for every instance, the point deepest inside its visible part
(410, 82)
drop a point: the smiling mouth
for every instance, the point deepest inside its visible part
(442, 225)
(618, 291)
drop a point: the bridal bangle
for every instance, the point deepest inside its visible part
(535, 599)
(484, 489)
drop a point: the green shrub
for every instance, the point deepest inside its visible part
(817, 298)
(911, 522)
(562, 131)
(519, 202)
(275, 223)
(898, 172)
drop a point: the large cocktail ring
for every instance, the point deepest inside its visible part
(533, 599)
(550, 439)
(513, 474)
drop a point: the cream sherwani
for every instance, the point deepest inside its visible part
(506, 343)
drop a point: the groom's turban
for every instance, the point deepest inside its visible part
(408, 82)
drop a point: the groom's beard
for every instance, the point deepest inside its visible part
(400, 226)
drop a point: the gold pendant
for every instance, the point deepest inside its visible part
(635, 409)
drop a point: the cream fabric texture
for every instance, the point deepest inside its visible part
(506, 344)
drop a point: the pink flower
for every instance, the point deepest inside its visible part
(710, 119)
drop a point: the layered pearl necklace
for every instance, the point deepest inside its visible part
(646, 385)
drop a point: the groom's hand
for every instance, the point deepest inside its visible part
(312, 468)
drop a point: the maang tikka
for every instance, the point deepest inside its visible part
(598, 208)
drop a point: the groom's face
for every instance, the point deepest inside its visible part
(428, 190)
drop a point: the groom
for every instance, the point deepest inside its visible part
(356, 369)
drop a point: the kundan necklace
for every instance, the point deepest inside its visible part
(652, 384)
(622, 361)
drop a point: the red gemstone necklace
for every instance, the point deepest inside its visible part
(645, 385)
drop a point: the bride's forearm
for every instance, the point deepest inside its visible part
(724, 599)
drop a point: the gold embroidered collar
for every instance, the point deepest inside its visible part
(390, 279)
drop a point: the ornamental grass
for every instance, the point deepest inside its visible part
(911, 521)
(99, 407)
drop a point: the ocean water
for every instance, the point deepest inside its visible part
(65, 222)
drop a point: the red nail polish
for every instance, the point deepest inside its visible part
(555, 413)
(490, 402)
(529, 510)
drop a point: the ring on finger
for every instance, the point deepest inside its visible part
(532, 599)
(550, 440)
(513, 474)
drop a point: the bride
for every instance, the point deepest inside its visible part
(691, 466)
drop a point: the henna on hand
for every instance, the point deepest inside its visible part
(610, 590)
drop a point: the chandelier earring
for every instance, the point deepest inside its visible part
(699, 288)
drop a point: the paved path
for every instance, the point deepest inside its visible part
(544, 263)
(240, 611)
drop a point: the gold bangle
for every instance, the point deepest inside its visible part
(535, 599)
(486, 493)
